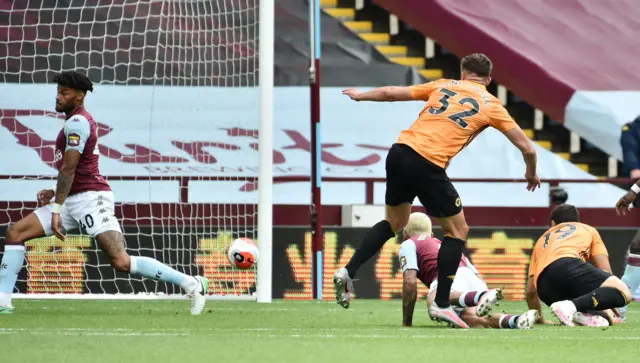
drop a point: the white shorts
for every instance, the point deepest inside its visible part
(92, 212)
(466, 280)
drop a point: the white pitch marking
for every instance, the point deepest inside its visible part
(178, 332)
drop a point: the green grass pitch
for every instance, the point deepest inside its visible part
(370, 331)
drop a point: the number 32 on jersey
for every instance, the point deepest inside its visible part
(459, 116)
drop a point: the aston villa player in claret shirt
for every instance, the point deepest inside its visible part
(470, 296)
(82, 199)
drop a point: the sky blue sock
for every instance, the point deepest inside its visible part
(154, 269)
(513, 321)
(10, 267)
(631, 277)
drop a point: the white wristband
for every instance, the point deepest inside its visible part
(56, 208)
(635, 188)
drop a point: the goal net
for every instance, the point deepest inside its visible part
(177, 103)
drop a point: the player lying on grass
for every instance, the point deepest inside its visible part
(470, 296)
(560, 276)
(83, 199)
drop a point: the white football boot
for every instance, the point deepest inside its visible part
(564, 311)
(447, 315)
(590, 320)
(199, 295)
(6, 309)
(486, 302)
(344, 286)
(527, 320)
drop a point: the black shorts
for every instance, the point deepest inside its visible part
(568, 278)
(409, 175)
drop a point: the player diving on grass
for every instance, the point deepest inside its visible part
(470, 296)
(577, 292)
(456, 111)
(83, 199)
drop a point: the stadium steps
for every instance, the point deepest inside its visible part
(557, 138)
(375, 31)
(402, 45)
(560, 151)
(551, 136)
(329, 3)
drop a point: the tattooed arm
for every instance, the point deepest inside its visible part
(65, 175)
(409, 264)
(76, 132)
(65, 180)
(409, 296)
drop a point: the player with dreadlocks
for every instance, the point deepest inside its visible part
(82, 199)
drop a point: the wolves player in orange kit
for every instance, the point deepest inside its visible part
(560, 276)
(472, 299)
(456, 111)
(83, 199)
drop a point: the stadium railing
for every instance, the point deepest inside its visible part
(368, 182)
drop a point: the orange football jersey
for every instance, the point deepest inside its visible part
(455, 113)
(572, 239)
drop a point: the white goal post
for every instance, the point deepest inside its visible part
(184, 104)
(265, 176)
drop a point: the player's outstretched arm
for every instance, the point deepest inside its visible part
(382, 94)
(622, 206)
(409, 296)
(520, 140)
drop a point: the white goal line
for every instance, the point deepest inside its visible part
(128, 297)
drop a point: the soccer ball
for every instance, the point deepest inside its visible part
(243, 253)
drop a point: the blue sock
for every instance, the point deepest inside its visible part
(9, 268)
(508, 321)
(631, 278)
(154, 269)
(513, 321)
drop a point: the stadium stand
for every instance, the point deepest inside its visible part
(122, 44)
(396, 53)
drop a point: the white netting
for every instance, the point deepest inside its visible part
(176, 100)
